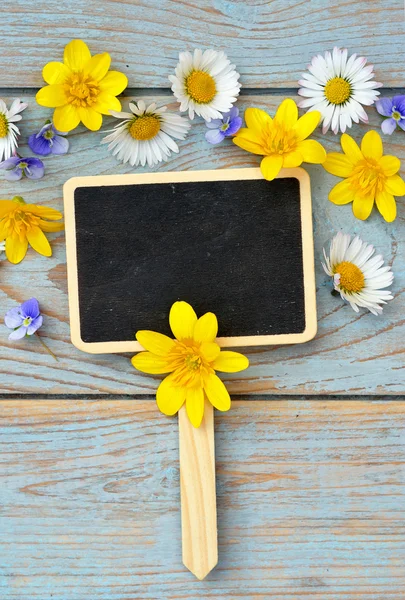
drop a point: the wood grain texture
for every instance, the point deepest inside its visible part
(310, 502)
(270, 42)
(197, 493)
(352, 353)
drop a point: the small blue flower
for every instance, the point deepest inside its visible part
(393, 108)
(16, 167)
(23, 320)
(48, 141)
(225, 127)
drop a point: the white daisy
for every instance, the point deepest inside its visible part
(338, 86)
(2, 250)
(359, 278)
(145, 134)
(205, 83)
(9, 131)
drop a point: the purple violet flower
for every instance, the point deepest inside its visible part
(225, 127)
(24, 320)
(16, 167)
(393, 108)
(48, 141)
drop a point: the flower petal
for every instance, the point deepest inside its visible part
(292, 159)
(271, 166)
(209, 351)
(390, 164)
(151, 363)
(51, 96)
(43, 211)
(386, 205)
(195, 405)
(55, 72)
(246, 144)
(90, 118)
(106, 102)
(50, 226)
(388, 126)
(216, 392)
(395, 185)
(18, 334)
(170, 398)
(214, 136)
(312, 151)
(342, 193)
(98, 66)
(384, 106)
(30, 308)
(182, 319)
(13, 318)
(230, 362)
(114, 83)
(35, 325)
(362, 207)
(351, 149)
(66, 118)
(287, 113)
(338, 164)
(371, 145)
(256, 119)
(38, 241)
(6, 206)
(60, 145)
(16, 249)
(155, 342)
(206, 328)
(307, 124)
(39, 145)
(76, 55)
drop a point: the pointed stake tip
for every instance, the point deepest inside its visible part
(200, 571)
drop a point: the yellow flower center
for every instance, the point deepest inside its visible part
(337, 90)
(396, 115)
(278, 140)
(3, 126)
(81, 90)
(201, 87)
(189, 364)
(18, 221)
(145, 127)
(351, 278)
(367, 177)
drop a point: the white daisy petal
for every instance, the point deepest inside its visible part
(9, 131)
(146, 137)
(357, 275)
(345, 83)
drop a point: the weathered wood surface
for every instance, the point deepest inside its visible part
(310, 502)
(352, 353)
(269, 41)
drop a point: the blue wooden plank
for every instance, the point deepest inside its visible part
(270, 42)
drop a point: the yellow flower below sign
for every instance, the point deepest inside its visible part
(368, 176)
(81, 89)
(22, 224)
(191, 359)
(282, 140)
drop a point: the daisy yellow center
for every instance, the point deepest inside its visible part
(278, 140)
(351, 278)
(367, 177)
(189, 364)
(201, 87)
(82, 90)
(145, 127)
(3, 126)
(337, 90)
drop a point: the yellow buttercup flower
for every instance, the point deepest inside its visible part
(368, 176)
(22, 224)
(191, 359)
(282, 140)
(81, 88)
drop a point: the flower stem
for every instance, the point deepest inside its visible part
(46, 347)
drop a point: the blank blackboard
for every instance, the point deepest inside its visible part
(225, 241)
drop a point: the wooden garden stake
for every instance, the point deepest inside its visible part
(198, 495)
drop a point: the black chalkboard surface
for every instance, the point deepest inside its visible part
(225, 241)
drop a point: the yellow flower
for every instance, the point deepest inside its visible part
(22, 223)
(81, 88)
(191, 360)
(282, 140)
(369, 176)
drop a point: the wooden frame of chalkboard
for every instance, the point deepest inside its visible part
(100, 347)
